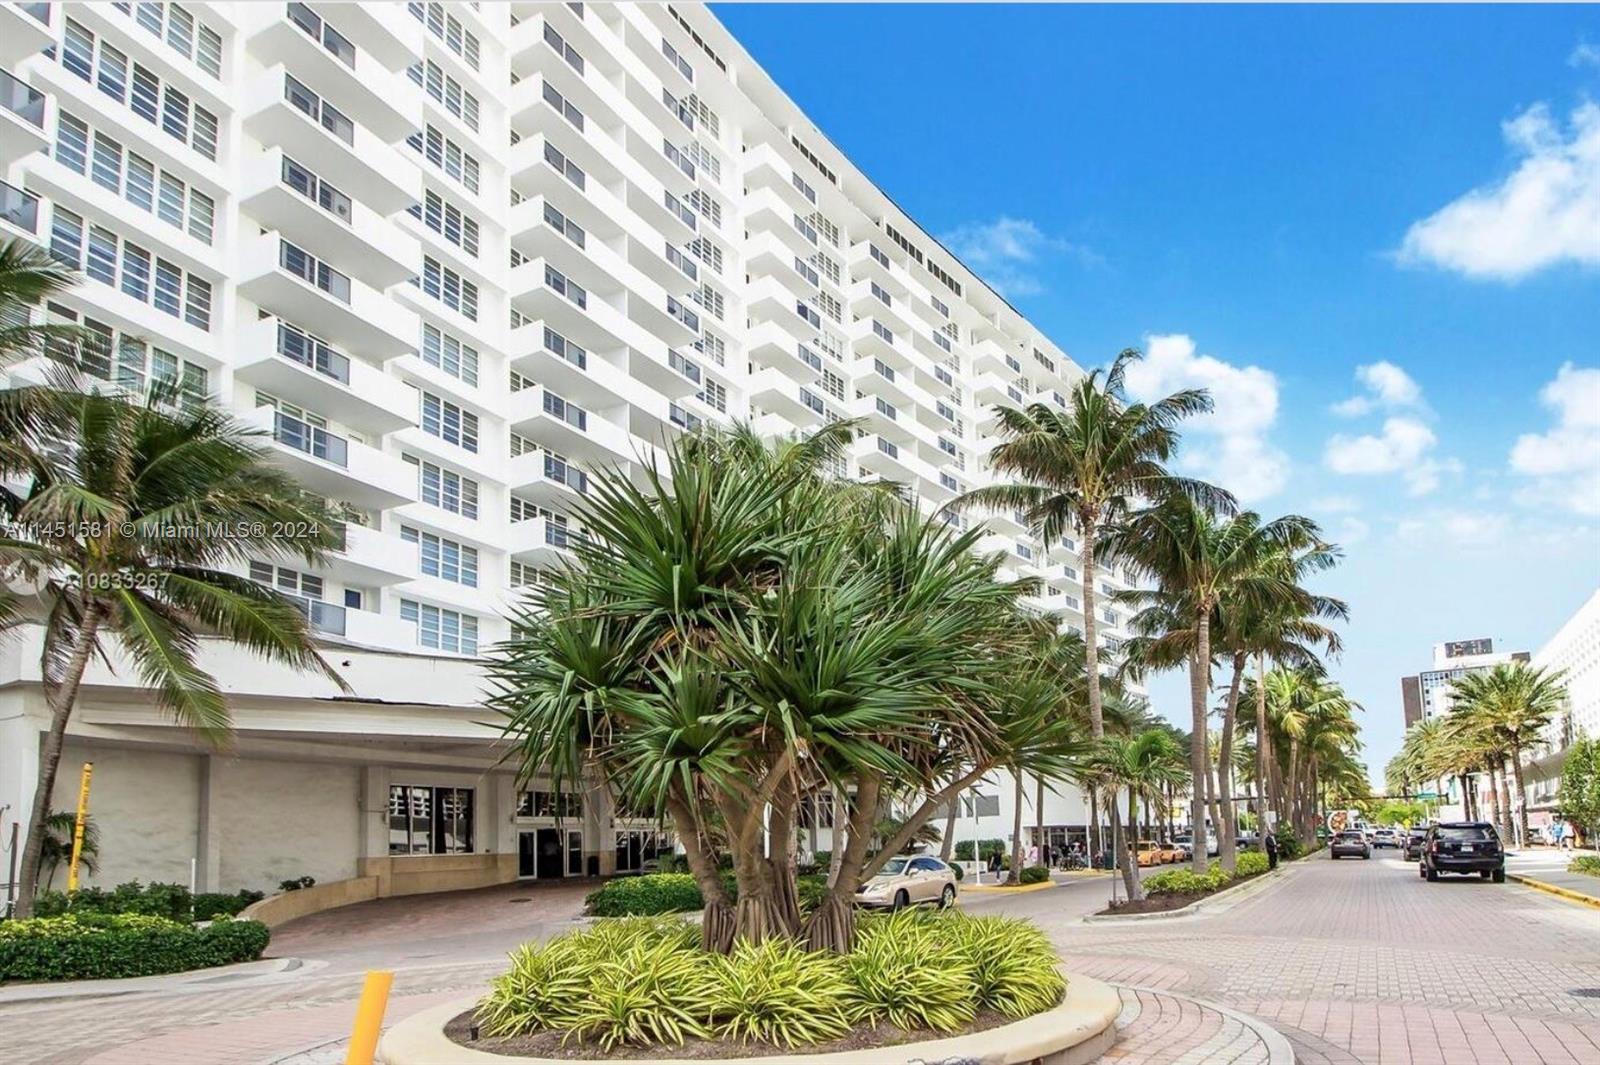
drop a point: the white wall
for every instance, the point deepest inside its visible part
(145, 805)
(285, 819)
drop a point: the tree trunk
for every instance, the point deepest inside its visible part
(1263, 747)
(781, 859)
(1128, 870)
(947, 845)
(1494, 800)
(836, 835)
(833, 925)
(1199, 687)
(60, 698)
(1505, 804)
(1091, 661)
(1038, 818)
(1093, 827)
(1015, 876)
(1522, 793)
(1227, 852)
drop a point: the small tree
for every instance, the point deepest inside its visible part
(1579, 795)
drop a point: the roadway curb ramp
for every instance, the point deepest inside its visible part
(1556, 890)
(1076, 1032)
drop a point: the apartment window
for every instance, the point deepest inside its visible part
(561, 48)
(806, 311)
(130, 362)
(827, 264)
(811, 157)
(948, 447)
(882, 296)
(679, 211)
(943, 376)
(682, 418)
(106, 257)
(447, 220)
(882, 331)
(570, 290)
(444, 153)
(687, 367)
(522, 574)
(712, 347)
(449, 288)
(440, 629)
(558, 469)
(316, 190)
(941, 340)
(447, 28)
(318, 110)
(108, 69)
(683, 314)
(703, 249)
(335, 42)
(446, 91)
(313, 271)
(564, 225)
(677, 60)
(833, 384)
(885, 408)
(429, 820)
(714, 396)
(804, 269)
(706, 204)
(565, 410)
(813, 402)
(134, 178)
(442, 557)
(449, 422)
(450, 354)
(445, 489)
(710, 299)
(830, 306)
(561, 347)
(564, 166)
(549, 804)
(949, 482)
(562, 105)
(888, 448)
(297, 345)
(182, 32)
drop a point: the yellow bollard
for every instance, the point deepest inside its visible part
(77, 828)
(369, 1017)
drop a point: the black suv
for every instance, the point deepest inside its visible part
(1415, 838)
(1463, 847)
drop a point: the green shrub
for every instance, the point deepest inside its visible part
(1289, 847)
(87, 945)
(654, 893)
(296, 883)
(651, 991)
(777, 992)
(1588, 863)
(541, 989)
(985, 848)
(210, 905)
(1185, 881)
(171, 901)
(1014, 965)
(1035, 874)
(910, 970)
(1250, 863)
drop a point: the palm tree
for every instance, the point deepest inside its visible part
(1145, 765)
(1517, 701)
(1084, 468)
(60, 828)
(1197, 559)
(130, 519)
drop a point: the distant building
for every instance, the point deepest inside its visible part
(1427, 695)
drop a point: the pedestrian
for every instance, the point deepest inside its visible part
(1044, 855)
(1033, 854)
(1272, 850)
(994, 862)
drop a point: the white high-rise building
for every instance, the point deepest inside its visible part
(450, 256)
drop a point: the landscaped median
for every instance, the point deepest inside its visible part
(1174, 890)
(916, 984)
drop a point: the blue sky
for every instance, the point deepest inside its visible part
(1373, 232)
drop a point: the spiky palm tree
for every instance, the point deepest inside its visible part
(1516, 702)
(1143, 766)
(126, 521)
(1198, 560)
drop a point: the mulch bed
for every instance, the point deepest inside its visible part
(548, 1044)
(1163, 903)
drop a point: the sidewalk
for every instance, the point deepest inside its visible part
(1546, 870)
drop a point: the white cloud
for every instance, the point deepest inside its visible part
(1457, 528)
(1350, 530)
(1335, 505)
(1546, 211)
(1565, 462)
(1008, 252)
(1584, 55)
(1404, 446)
(1229, 446)
(1385, 386)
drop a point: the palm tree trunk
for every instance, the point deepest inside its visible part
(1199, 687)
(1128, 869)
(60, 699)
(1093, 827)
(1091, 652)
(1505, 804)
(1522, 793)
(1494, 799)
(839, 834)
(948, 845)
(1015, 876)
(1263, 747)
(1227, 851)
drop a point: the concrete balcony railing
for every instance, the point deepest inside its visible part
(288, 362)
(343, 310)
(24, 119)
(335, 466)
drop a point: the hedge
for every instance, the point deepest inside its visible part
(1035, 874)
(1587, 863)
(171, 901)
(84, 946)
(658, 893)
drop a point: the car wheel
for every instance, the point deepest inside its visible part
(1499, 876)
(901, 901)
(1432, 875)
(1422, 870)
(1365, 856)
(1332, 857)
(1485, 874)
(947, 898)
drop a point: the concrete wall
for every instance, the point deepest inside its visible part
(145, 805)
(279, 820)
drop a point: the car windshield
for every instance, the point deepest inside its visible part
(893, 867)
(1466, 832)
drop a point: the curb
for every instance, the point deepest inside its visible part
(1559, 892)
(1279, 1050)
(1232, 894)
(264, 971)
(1001, 889)
(1084, 1027)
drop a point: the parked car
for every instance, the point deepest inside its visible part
(1174, 852)
(1351, 843)
(1414, 840)
(1463, 847)
(1183, 844)
(1152, 853)
(1385, 837)
(907, 880)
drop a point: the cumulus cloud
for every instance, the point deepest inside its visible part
(1335, 505)
(1228, 447)
(1404, 446)
(1564, 463)
(1546, 211)
(1009, 253)
(1457, 528)
(1584, 55)
(1384, 386)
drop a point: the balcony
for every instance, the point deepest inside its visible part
(288, 194)
(873, 339)
(316, 376)
(541, 542)
(767, 212)
(314, 132)
(382, 30)
(766, 255)
(351, 315)
(19, 210)
(23, 120)
(335, 466)
(548, 481)
(766, 168)
(324, 57)
(27, 30)
(373, 557)
(771, 344)
(595, 442)
(774, 391)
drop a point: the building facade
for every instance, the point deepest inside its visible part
(1427, 694)
(449, 258)
(1574, 650)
